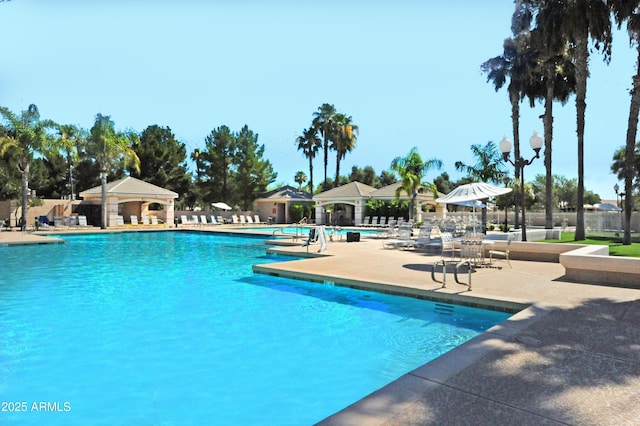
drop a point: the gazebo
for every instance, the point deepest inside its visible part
(276, 204)
(131, 196)
(352, 198)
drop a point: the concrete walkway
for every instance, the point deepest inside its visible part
(571, 356)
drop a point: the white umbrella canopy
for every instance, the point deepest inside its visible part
(471, 192)
(608, 207)
(222, 206)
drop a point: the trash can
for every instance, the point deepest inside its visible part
(270, 220)
(353, 237)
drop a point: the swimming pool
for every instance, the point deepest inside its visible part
(173, 328)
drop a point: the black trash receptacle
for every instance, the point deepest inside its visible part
(353, 237)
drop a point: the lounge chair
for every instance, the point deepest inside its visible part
(154, 220)
(214, 221)
(119, 220)
(424, 240)
(243, 219)
(194, 219)
(365, 221)
(220, 220)
(58, 221)
(449, 251)
(249, 220)
(82, 220)
(502, 253)
(145, 220)
(256, 219)
(134, 219)
(203, 219)
(234, 219)
(374, 221)
(403, 241)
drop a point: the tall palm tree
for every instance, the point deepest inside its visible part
(575, 22)
(489, 167)
(323, 121)
(555, 74)
(309, 143)
(346, 134)
(27, 134)
(108, 147)
(517, 64)
(629, 11)
(412, 170)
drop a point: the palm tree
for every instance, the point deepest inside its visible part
(487, 168)
(323, 121)
(27, 134)
(309, 143)
(300, 178)
(574, 22)
(517, 64)
(555, 76)
(108, 147)
(346, 134)
(412, 170)
(70, 137)
(629, 11)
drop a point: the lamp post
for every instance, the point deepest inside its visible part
(616, 188)
(505, 147)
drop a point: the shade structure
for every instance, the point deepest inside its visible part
(220, 205)
(470, 203)
(472, 191)
(607, 207)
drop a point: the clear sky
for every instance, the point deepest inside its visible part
(407, 71)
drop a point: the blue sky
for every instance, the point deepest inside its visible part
(407, 71)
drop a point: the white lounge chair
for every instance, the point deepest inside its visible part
(145, 220)
(403, 241)
(203, 219)
(214, 221)
(119, 220)
(184, 220)
(134, 219)
(194, 219)
(234, 219)
(256, 219)
(220, 220)
(365, 221)
(249, 220)
(243, 219)
(82, 220)
(502, 253)
(154, 220)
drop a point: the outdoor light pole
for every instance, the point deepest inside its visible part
(616, 188)
(519, 163)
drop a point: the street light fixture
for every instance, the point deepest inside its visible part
(616, 188)
(505, 147)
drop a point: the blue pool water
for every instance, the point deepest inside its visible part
(174, 329)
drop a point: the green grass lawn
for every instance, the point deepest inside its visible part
(615, 243)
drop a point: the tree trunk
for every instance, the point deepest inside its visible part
(336, 183)
(24, 168)
(311, 175)
(548, 142)
(103, 182)
(581, 106)
(629, 152)
(515, 120)
(325, 148)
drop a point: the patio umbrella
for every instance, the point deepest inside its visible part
(220, 205)
(607, 207)
(471, 203)
(471, 192)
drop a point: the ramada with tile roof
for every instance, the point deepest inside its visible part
(131, 196)
(352, 198)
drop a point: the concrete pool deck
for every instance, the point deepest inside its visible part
(572, 356)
